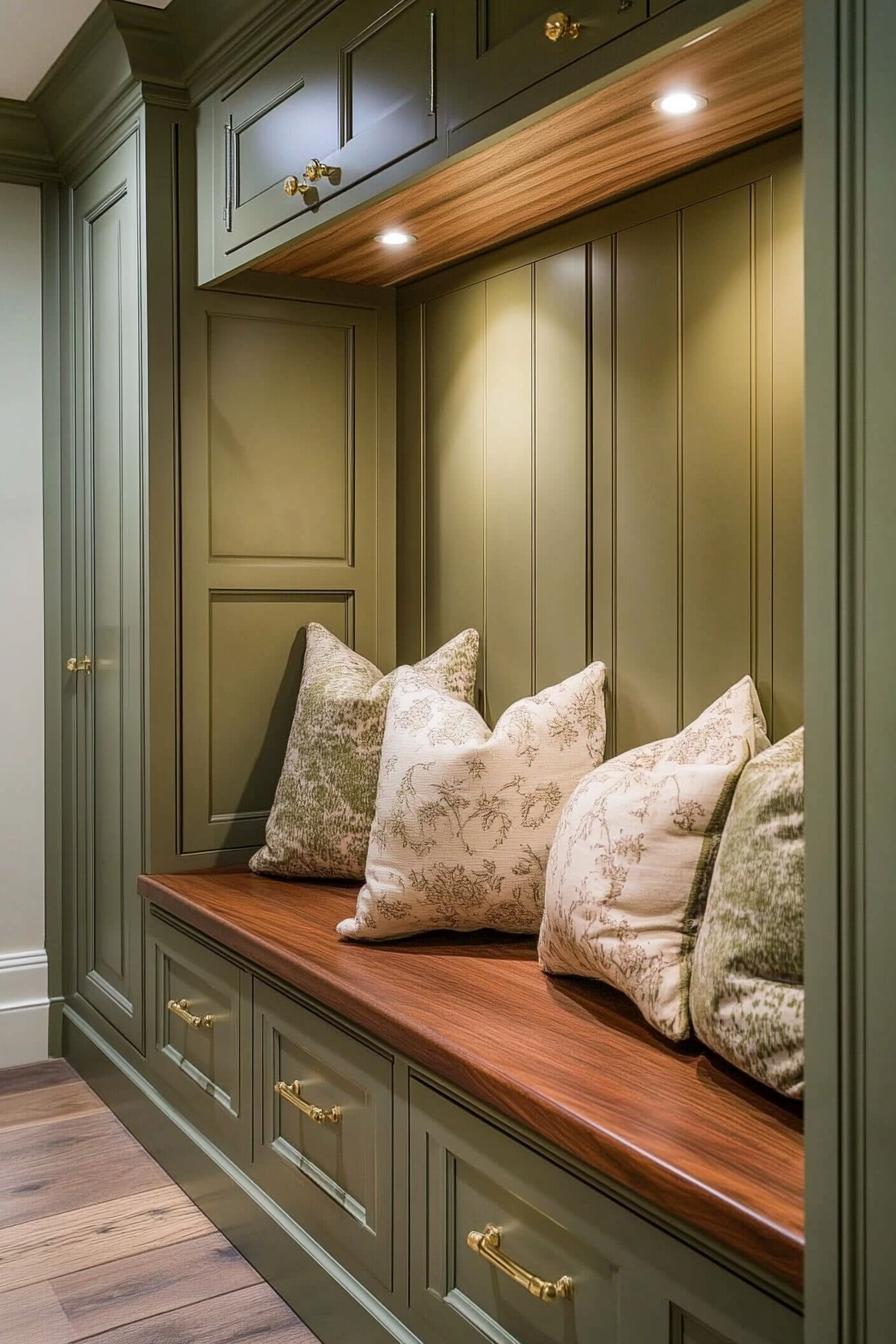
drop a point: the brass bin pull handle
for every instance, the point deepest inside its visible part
(181, 1008)
(292, 1092)
(559, 26)
(488, 1245)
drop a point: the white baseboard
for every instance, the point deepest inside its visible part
(24, 1007)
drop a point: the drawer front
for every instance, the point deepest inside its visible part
(629, 1283)
(466, 1177)
(331, 1169)
(198, 1055)
(356, 91)
(502, 46)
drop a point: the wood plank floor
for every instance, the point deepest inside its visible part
(97, 1243)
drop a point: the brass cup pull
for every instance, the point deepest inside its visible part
(84, 665)
(488, 1245)
(291, 1092)
(292, 185)
(181, 1008)
(560, 25)
(315, 170)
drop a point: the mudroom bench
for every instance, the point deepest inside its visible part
(458, 1147)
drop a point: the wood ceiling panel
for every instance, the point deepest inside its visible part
(607, 145)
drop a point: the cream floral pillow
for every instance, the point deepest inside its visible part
(633, 855)
(465, 816)
(319, 824)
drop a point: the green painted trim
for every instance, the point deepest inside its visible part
(51, 203)
(851, 657)
(25, 154)
(332, 1303)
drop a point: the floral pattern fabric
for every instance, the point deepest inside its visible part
(465, 816)
(319, 824)
(633, 855)
(747, 981)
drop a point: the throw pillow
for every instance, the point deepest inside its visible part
(465, 816)
(747, 981)
(319, 824)
(633, 854)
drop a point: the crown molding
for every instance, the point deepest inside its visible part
(25, 153)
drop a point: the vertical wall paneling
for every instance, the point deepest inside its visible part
(603, 475)
(646, 652)
(409, 501)
(668, 344)
(787, 318)
(509, 654)
(561, 445)
(717, 462)
(454, 475)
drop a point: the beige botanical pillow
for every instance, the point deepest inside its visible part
(633, 855)
(319, 824)
(465, 816)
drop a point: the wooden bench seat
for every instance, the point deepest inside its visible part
(570, 1060)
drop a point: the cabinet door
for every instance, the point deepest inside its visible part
(282, 460)
(501, 47)
(108, 619)
(356, 91)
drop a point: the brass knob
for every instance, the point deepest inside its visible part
(292, 186)
(84, 665)
(560, 25)
(315, 170)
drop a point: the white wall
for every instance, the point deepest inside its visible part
(23, 962)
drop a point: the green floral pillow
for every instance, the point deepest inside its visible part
(319, 824)
(747, 982)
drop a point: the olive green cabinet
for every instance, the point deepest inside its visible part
(508, 1245)
(351, 95)
(323, 1132)
(104, 676)
(200, 1034)
(504, 46)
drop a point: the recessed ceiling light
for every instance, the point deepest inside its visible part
(395, 238)
(678, 103)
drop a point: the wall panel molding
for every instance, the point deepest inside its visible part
(610, 442)
(286, 517)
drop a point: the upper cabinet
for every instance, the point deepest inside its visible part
(363, 96)
(505, 46)
(351, 96)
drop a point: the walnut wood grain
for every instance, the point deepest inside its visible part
(609, 144)
(571, 1060)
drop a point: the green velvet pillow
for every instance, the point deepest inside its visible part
(319, 824)
(747, 979)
